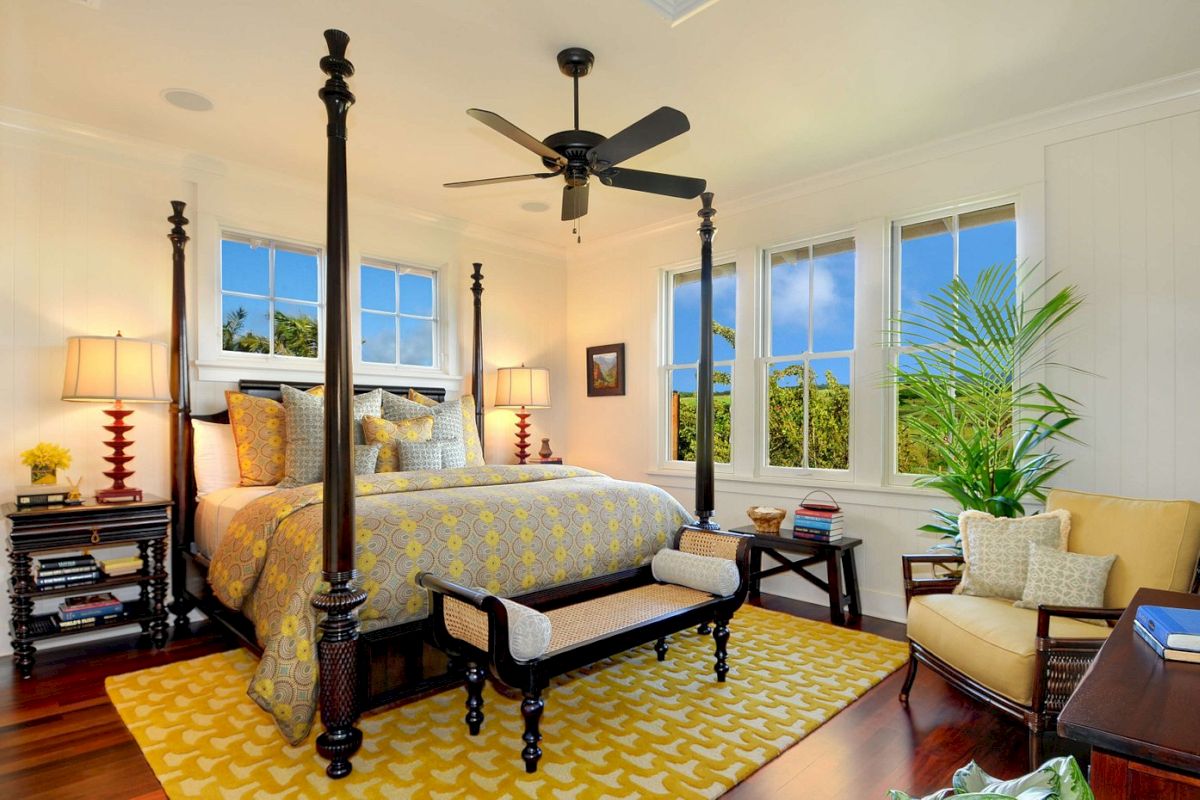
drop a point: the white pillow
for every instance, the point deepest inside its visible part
(214, 455)
(710, 574)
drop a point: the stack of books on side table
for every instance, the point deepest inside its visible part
(1173, 633)
(126, 565)
(88, 610)
(63, 571)
(817, 525)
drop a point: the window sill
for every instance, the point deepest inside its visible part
(232, 371)
(854, 494)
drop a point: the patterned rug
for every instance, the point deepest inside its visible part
(623, 728)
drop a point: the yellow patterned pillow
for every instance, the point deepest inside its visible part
(260, 433)
(417, 397)
(388, 434)
(473, 449)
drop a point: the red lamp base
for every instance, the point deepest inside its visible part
(118, 492)
(522, 436)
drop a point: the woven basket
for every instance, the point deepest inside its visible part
(766, 519)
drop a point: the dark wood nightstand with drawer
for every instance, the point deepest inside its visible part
(61, 530)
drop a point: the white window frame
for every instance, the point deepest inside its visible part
(666, 367)
(400, 268)
(272, 242)
(892, 335)
(765, 361)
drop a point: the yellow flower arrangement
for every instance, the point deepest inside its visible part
(44, 459)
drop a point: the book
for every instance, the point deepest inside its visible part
(816, 524)
(85, 622)
(59, 581)
(90, 613)
(57, 571)
(121, 566)
(88, 601)
(1177, 628)
(818, 514)
(1166, 653)
(60, 562)
(816, 536)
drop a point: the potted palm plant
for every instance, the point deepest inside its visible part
(971, 396)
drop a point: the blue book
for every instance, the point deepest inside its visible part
(819, 524)
(1165, 653)
(1174, 628)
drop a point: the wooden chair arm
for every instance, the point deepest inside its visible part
(936, 585)
(1073, 612)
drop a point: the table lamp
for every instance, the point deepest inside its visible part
(521, 388)
(117, 370)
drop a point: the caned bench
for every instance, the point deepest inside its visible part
(702, 578)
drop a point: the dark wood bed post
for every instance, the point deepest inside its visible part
(182, 493)
(704, 389)
(339, 628)
(477, 362)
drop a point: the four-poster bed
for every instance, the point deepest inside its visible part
(392, 659)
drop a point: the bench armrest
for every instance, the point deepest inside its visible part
(1073, 612)
(936, 585)
(432, 582)
(720, 544)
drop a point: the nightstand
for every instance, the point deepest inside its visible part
(91, 526)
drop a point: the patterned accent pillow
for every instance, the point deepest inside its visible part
(365, 458)
(388, 435)
(447, 419)
(472, 446)
(710, 574)
(1065, 579)
(996, 549)
(305, 412)
(429, 455)
(417, 397)
(259, 432)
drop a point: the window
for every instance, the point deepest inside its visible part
(683, 356)
(399, 314)
(928, 254)
(270, 297)
(809, 336)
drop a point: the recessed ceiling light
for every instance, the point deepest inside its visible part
(187, 99)
(535, 206)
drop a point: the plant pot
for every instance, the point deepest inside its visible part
(43, 476)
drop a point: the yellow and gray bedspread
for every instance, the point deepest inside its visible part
(509, 529)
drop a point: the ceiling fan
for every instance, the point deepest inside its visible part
(577, 154)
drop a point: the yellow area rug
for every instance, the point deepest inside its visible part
(623, 728)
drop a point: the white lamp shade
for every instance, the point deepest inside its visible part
(116, 368)
(522, 386)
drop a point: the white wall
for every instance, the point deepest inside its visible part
(83, 249)
(1120, 175)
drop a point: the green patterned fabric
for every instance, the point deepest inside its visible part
(1057, 779)
(509, 529)
(1065, 579)
(447, 424)
(305, 427)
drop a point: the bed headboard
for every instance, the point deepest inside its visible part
(260, 388)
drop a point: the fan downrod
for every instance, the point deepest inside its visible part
(575, 62)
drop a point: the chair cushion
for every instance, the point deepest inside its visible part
(987, 638)
(1156, 541)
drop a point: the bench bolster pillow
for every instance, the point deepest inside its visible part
(528, 631)
(710, 574)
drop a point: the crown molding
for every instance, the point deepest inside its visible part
(1140, 96)
(22, 127)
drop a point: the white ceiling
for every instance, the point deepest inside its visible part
(776, 90)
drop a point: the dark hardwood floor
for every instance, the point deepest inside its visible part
(60, 738)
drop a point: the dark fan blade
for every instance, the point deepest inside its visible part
(649, 131)
(656, 182)
(503, 126)
(574, 201)
(506, 179)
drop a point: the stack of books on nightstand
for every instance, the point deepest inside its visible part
(63, 571)
(115, 567)
(88, 610)
(817, 525)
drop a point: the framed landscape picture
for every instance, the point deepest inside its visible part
(606, 370)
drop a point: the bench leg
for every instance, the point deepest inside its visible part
(475, 680)
(660, 647)
(721, 635)
(531, 711)
(703, 629)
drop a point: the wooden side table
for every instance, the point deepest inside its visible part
(1138, 712)
(841, 576)
(61, 529)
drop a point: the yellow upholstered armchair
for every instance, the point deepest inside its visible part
(1026, 663)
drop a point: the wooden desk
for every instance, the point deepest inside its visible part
(1139, 714)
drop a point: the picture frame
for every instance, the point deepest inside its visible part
(606, 370)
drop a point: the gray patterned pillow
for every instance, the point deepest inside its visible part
(447, 423)
(996, 549)
(430, 455)
(1065, 579)
(366, 456)
(305, 413)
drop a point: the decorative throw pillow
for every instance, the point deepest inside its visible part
(417, 397)
(710, 574)
(365, 458)
(996, 549)
(214, 454)
(388, 435)
(305, 452)
(1059, 578)
(472, 447)
(259, 432)
(429, 455)
(447, 418)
